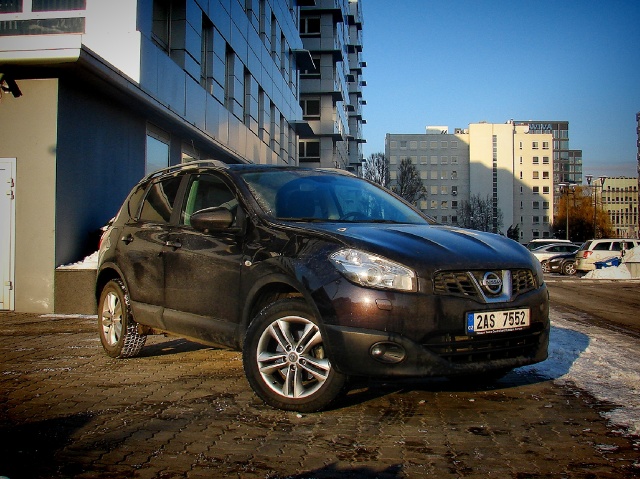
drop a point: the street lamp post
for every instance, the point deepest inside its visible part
(595, 199)
(564, 188)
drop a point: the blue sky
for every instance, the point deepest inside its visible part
(455, 62)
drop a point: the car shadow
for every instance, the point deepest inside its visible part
(172, 346)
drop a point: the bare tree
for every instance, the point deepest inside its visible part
(480, 214)
(409, 185)
(376, 169)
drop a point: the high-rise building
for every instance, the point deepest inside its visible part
(331, 89)
(505, 164)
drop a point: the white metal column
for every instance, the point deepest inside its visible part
(7, 232)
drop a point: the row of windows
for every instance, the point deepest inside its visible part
(535, 145)
(413, 145)
(443, 175)
(16, 6)
(427, 160)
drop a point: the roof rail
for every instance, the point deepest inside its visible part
(186, 166)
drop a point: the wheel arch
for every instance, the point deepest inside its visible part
(106, 274)
(268, 291)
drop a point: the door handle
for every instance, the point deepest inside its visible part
(127, 239)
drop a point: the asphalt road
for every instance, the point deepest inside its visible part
(612, 304)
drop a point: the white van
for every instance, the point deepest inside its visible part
(602, 249)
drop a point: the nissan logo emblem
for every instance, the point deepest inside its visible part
(492, 282)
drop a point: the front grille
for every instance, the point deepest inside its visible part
(466, 283)
(486, 347)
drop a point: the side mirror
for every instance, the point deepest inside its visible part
(212, 219)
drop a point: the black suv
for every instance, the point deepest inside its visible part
(316, 275)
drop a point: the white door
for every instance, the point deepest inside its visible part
(7, 232)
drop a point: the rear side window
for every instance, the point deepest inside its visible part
(160, 199)
(602, 246)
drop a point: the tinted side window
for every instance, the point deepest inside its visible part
(207, 191)
(158, 204)
(602, 246)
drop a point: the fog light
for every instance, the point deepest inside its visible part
(387, 352)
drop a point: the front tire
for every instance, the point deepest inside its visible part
(285, 360)
(545, 267)
(118, 331)
(569, 268)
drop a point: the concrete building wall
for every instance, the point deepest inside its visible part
(620, 201)
(35, 190)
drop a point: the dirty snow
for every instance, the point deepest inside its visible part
(600, 362)
(89, 262)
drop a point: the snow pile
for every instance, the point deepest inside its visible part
(89, 262)
(632, 256)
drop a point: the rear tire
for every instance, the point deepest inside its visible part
(118, 331)
(545, 266)
(285, 360)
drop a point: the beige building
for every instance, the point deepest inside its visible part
(503, 162)
(620, 201)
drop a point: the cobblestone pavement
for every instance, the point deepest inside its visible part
(186, 411)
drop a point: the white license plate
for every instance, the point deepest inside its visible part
(498, 321)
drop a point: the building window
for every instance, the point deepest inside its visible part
(454, 190)
(454, 175)
(434, 160)
(536, 220)
(545, 190)
(403, 145)
(434, 174)
(536, 205)
(10, 6)
(545, 205)
(545, 145)
(454, 160)
(545, 160)
(545, 175)
(454, 205)
(536, 160)
(423, 145)
(434, 205)
(206, 55)
(157, 149)
(310, 26)
(434, 190)
(433, 145)
(443, 144)
(310, 108)
(413, 145)
(536, 175)
(454, 220)
(454, 144)
(444, 160)
(535, 145)
(444, 190)
(309, 151)
(444, 205)
(168, 27)
(423, 160)
(536, 190)
(55, 5)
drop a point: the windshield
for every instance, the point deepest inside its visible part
(312, 195)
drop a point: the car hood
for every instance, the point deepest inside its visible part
(428, 248)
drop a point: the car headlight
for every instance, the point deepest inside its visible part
(373, 271)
